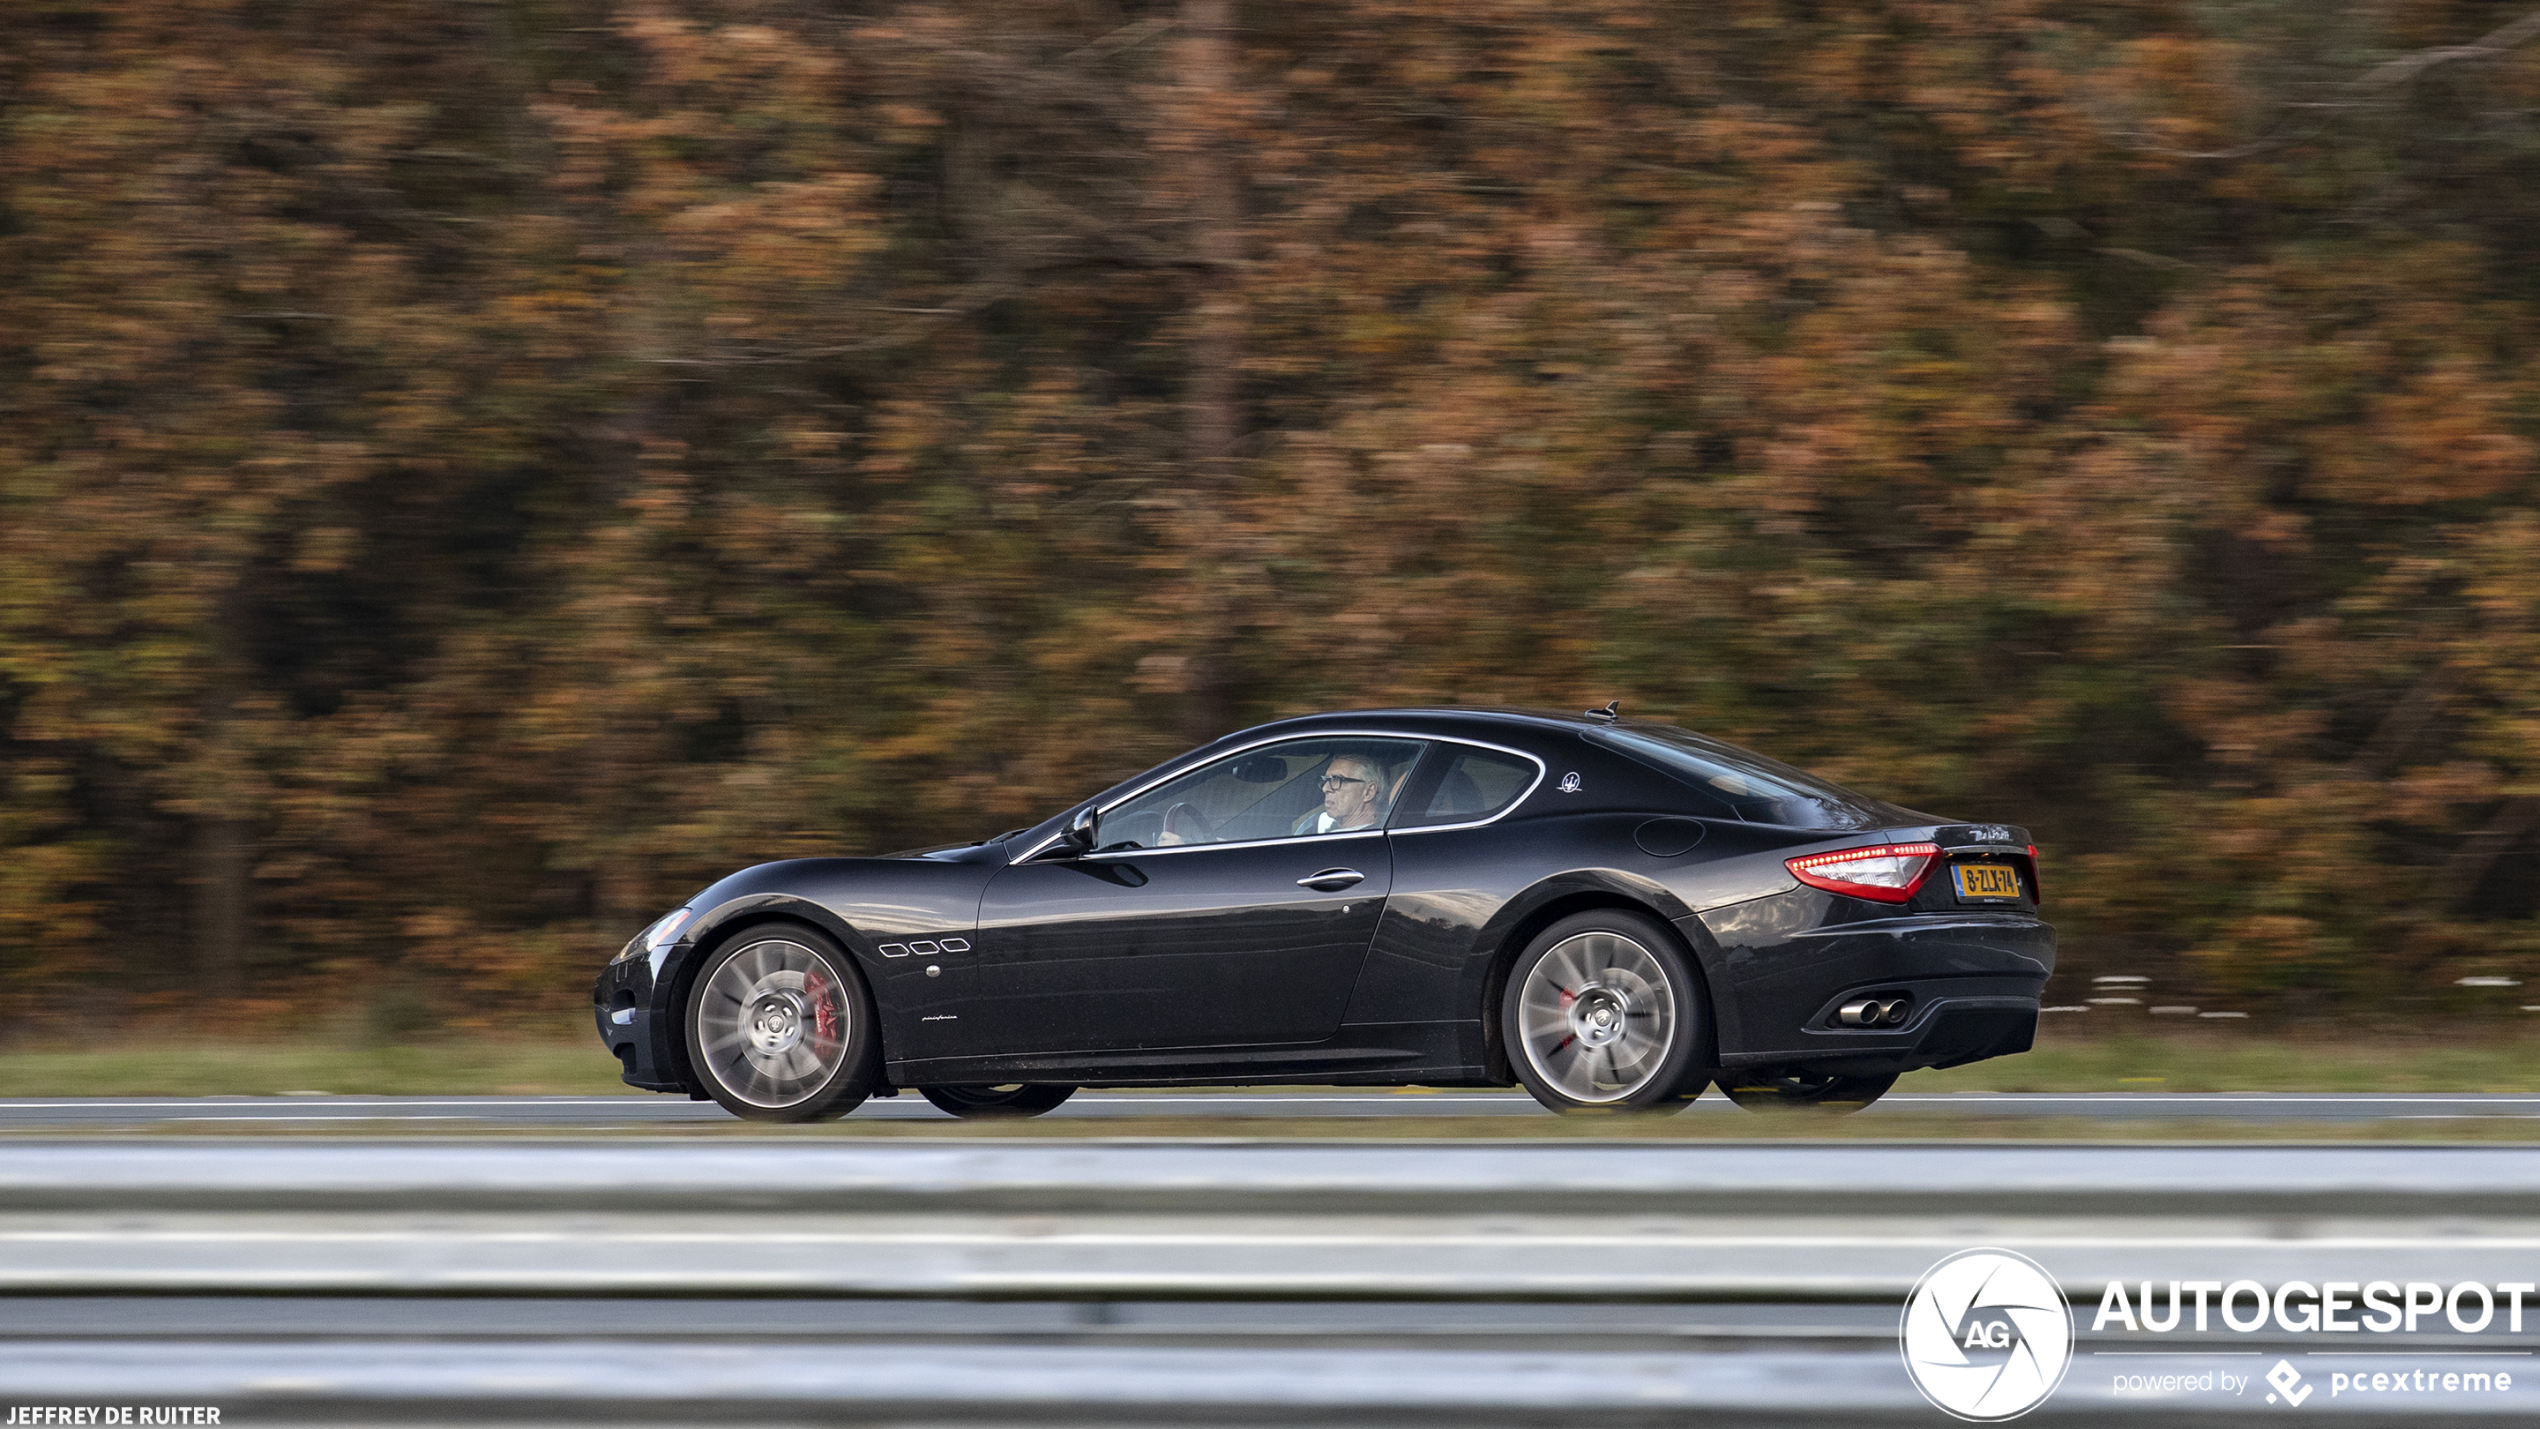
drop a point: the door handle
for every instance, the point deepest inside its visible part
(1331, 880)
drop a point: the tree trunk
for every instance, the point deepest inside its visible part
(221, 859)
(1213, 412)
(223, 847)
(2468, 865)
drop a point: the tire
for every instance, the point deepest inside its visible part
(1603, 1012)
(1825, 1095)
(1012, 1101)
(780, 1027)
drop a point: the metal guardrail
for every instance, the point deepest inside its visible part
(1073, 1220)
(721, 1382)
(1090, 1222)
(990, 1385)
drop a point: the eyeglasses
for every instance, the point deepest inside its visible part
(1334, 781)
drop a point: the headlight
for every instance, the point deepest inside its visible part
(656, 937)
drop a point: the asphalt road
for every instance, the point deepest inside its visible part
(583, 1112)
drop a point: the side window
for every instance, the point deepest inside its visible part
(1739, 784)
(1292, 790)
(1477, 784)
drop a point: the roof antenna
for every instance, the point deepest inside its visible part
(1613, 711)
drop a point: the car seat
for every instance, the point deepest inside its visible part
(1457, 794)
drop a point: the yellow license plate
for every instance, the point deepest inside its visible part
(1987, 880)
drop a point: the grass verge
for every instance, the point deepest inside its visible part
(200, 1068)
(1692, 1129)
(2186, 1061)
(2323, 1060)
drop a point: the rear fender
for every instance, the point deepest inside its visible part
(1508, 931)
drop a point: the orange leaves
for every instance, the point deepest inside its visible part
(2181, 91)
(2444, 434)
(517, 477)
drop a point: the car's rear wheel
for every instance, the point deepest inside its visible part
(781, 1028)
(1603, 1012)
(1833, 1095)
(1014, 1099)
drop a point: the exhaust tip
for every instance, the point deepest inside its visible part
(1875, 1011)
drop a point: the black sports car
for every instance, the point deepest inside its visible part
(1615, 913)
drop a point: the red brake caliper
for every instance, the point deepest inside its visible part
(824, 1011)
(1567, 997)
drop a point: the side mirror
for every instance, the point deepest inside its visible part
(1081, 831)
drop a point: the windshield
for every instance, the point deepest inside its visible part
(1741, 783)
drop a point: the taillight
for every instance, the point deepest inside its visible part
(2036, 885)
(1887, 873)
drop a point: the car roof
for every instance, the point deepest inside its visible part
(1475, 722)
(1439, 719)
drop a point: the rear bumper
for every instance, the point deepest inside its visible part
(633, 1030)
(1953, 1021)
(1973, 981)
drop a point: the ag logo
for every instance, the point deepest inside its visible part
(1987, 1335)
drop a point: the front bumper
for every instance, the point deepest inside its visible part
(634, 1029)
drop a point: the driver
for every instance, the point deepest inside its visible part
(1352, 791)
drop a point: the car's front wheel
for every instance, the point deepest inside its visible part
(1603, 1012)
(1806, 1092)
(1016, 1099)
(780, 1027)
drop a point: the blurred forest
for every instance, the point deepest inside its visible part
(471, 471)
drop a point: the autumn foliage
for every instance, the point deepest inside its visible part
(472, 472)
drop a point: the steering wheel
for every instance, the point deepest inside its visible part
(1185, 824)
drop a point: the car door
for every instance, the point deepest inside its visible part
(1226, 907)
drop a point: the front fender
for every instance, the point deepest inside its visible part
(710, 927)
(863, 903)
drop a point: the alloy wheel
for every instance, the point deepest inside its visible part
(1597, 1017)
(773, 1023)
